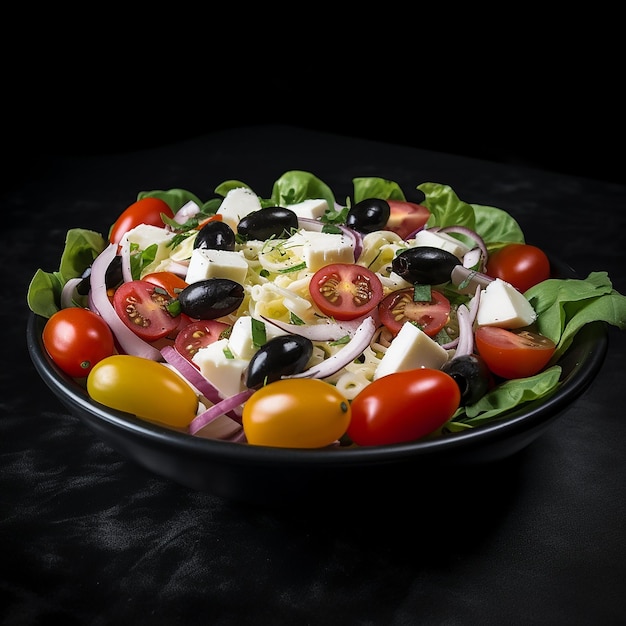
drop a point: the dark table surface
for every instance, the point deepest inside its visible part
(89, 537)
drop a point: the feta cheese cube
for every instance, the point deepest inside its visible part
(322, 249)
(206, 263)
(312, 209)
(412, 348)
(241, 343)
(238, 203)
(442, 241)
(226, 374)
(502, 305)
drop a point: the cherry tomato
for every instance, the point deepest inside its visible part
(519, 264)
(345, 291)
(145, 211)
(513, 353)
(168, 281)
(145, 388)
(296, 413)
(198, 334)
(399, 307)
(403, 406)
(143, 308)
(76, 339)
(406, 217)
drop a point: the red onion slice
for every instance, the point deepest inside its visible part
(69, 291)
(217, 410)
(471, 234)
(466, 332)
(191, 373)
(128, 341)
(353, 349)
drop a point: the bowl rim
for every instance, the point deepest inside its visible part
(591, 340)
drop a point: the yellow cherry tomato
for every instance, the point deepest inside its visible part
(145, 388)
(296, 413)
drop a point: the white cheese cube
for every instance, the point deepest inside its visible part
(502, 305)
(412, 348)
(312, 209)
(224, 373)
(146, 235)
(205, 263)
(441, 240)
(322, 249)
(240, 341)
(238, 203)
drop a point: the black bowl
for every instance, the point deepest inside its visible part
(258, 474)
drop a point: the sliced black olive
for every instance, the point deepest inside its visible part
(280, 356)
(368, 215)
(268, 222)
(425, 265)
(211, 298)
(215, 235)
(472, 376)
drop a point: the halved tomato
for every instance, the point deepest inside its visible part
(406, 217)
(400, 306)
(142, 306)
(168, 281)
(513, 353)
(345, 291)
(198, 334)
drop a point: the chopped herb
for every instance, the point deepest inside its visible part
(341, 341)
(294, 319)
(294, 268)
(259, 333)
(422, 293)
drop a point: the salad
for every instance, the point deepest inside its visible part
(296, 320)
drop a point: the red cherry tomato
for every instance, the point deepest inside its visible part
(403, 406)
(198, 334)
(406, 217)
(145, 211)
(168, 281)
(513, 353)
(399, 307)
(519, 264)
(143, 308)
(76, 339)
(345, 291)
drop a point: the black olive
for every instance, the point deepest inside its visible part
(268, 222)
(84, 285)
(472, 376)
(113, 276)
(425, 265)
(215, 235)
(368, 215)
(211, 298)
(280, 356)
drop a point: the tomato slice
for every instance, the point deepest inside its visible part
(406, 217)
(142, 306)
(345, 291)
(399, 307)
(513, 353)
(196, 335)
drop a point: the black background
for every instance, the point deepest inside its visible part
(548, 97)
